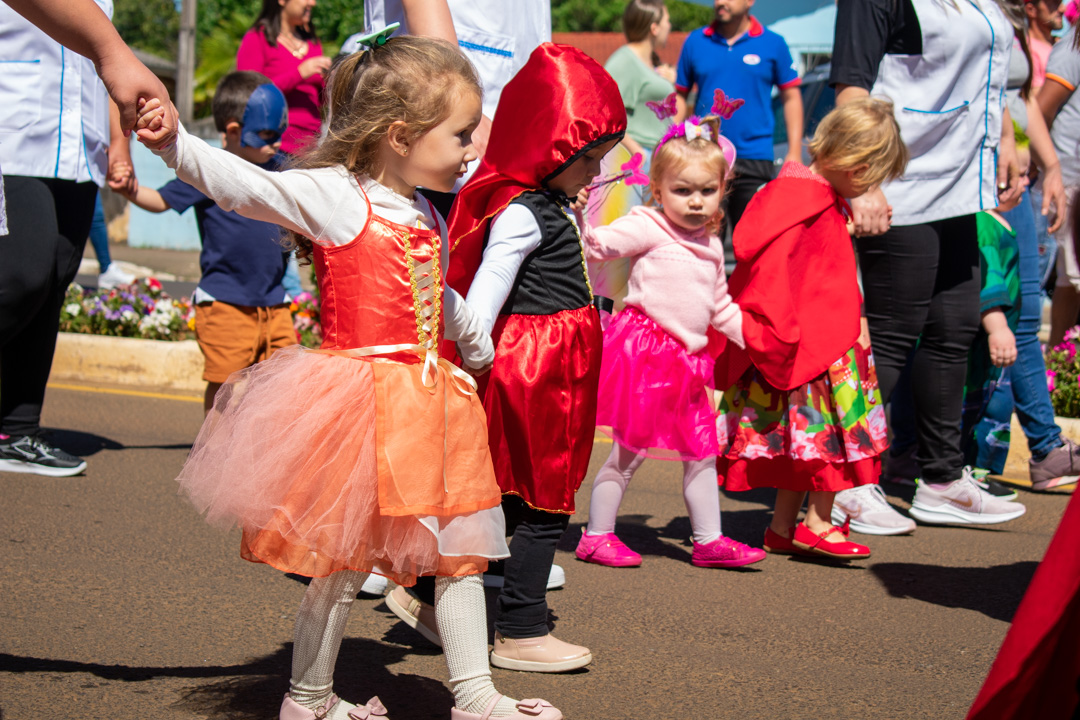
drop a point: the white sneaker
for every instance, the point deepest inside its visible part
(962, 502)
(375, 585)
(113, 276)
(870, 512)
(556, 579)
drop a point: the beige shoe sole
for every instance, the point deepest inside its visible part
(540, 667)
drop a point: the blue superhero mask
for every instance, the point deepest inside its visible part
(266, 111)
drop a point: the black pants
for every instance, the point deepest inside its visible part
(521, 609)
(921, 285)
(749, 176)
(48, 222)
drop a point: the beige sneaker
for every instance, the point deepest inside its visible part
(415, 613)
(546, 654)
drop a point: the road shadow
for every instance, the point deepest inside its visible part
(254, 690)
(84, 444)
(994, 591)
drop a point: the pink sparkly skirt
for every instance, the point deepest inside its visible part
(654, 395)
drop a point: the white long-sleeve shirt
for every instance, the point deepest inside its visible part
(326, 205)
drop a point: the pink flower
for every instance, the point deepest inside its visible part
(1050, 375)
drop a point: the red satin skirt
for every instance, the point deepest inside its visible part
(540, 399)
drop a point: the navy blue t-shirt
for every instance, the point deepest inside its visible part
(242, 260)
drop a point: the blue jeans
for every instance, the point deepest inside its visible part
(99, 236)
(1046, 244)
(1030, 395)
(988, 422)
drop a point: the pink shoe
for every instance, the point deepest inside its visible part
(606, 549)
(725, 552)
(292, 710)
(532, 709)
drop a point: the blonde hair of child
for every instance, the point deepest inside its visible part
(677, 153)
(412, 79)
(861, 132)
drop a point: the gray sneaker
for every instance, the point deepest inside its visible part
(962, 502)
(901, 469)
(1061, 466)
(869, 512)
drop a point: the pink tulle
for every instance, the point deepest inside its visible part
(654, 397)
(288, 453)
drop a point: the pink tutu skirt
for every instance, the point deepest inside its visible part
(654, 396)
(291, 453)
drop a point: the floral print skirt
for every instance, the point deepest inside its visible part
(826, 435)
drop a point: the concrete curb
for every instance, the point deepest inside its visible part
(128, 361)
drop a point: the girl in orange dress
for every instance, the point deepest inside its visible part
(369, 454)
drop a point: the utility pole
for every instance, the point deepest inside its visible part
(185, 62)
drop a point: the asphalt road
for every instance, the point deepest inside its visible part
(118, 602)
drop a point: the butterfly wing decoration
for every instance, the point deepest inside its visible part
(664, 109)
(725, 107)
(632, 171)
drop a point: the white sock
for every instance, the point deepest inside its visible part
(609, 487)
(320, 625)
(461, 615)
(702, 497)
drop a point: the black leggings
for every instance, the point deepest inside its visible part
(48, 223)
(521, 609)
(921, 285)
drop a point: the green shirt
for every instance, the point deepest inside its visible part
(639, 83)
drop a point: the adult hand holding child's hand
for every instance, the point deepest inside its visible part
(152, 127)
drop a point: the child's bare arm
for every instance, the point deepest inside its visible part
(149, 200)
(1000, 337)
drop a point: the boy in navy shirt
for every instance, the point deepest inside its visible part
(738, 55)
(241, 314)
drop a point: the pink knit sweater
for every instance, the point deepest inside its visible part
(676, 276)
(282, 67)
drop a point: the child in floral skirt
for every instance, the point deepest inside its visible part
(802, 411)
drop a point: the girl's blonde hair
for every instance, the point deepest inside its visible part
(677, 153)
(861, 132)
(412, 79)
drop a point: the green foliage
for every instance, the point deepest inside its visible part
(217, 57)
(150, 25)
(606, 15)
(1063, 375)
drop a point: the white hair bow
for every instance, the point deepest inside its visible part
(694, 132)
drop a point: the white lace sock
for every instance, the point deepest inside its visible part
(320, 625)
(461, 615)
(609, 487)
(702, 497)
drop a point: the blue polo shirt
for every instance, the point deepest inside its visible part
(242, 260)
(747, 69)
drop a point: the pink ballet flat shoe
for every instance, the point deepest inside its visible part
(725, 553)
(292, 710)
(532, 709)
(606, 549)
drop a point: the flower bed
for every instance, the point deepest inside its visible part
(143, 310)
(1063, 375)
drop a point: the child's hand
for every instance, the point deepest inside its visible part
(122, 179)
(864, 334)
(582, 201)
(1002, 347)
(151, 128)
(476, 372)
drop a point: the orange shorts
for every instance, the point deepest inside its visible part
(233, 337)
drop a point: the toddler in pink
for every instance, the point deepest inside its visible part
(654, 396)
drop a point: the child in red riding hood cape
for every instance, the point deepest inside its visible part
(518, 255)
(802, 411)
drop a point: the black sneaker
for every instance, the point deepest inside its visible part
(31, 454)
(995, 488)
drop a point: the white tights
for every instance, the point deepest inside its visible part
(700, 492)
(459, 613)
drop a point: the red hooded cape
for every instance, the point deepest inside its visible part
(559, 105)
(795, 282)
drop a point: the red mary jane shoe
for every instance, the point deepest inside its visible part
(805, 539)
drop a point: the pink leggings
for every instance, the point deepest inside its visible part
(700, 492)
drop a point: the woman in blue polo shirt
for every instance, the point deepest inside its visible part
(944, 65)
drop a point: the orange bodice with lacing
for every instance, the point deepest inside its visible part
(383, 288)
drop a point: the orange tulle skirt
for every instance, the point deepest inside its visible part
(329, 462)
